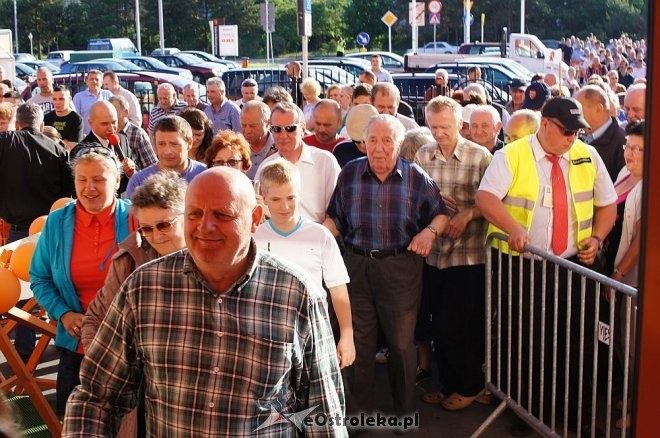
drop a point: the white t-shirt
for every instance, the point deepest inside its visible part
(310, 246)
(499, 178)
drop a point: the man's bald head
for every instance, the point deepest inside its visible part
(634, 104)
(221, 213)
(103, 119)
(521, 124)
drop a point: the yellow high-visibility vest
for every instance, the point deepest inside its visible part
(522, 198)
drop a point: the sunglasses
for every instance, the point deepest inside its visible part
(162, 227)
(288, 128)
(83, 149)
(228, 163)
(565, 131)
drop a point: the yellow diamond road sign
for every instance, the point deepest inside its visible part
(389, 18)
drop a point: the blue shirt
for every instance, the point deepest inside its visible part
(140, 177)
(83, 102)
(227, 117)
(371, 214)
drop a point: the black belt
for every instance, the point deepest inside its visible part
(376, 253)
(19, 227)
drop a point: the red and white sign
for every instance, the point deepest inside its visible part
(435, 7)
(419, 15)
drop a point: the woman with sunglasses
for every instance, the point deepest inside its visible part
(231, 149)
(158, 205)
(73, 255)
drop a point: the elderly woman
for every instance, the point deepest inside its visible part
(73, 255)
(311, 90)
(229, 148)
(202, 130)
(158, 205)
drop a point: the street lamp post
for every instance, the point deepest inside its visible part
(15, 26)
(30, 38)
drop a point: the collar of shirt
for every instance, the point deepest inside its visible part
(600, 131)
(539, 153)
(366, 170)
(306, 154)
(457, 153)
(105, 143)
(189, 267)
(103, 218)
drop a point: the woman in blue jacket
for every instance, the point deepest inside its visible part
(74, 252)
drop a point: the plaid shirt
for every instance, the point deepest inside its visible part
(458, 177)
(371, 214)
(212, 364)
(158, 112)
(138, 141)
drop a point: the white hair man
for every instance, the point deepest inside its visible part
(485, 127)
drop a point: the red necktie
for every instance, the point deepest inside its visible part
(559, 208)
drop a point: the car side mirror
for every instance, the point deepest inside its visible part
(539, 54)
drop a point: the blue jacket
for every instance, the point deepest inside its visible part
(50, 270)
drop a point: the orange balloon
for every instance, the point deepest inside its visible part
(37, 225)
(60, 203)
(20, 260)
(10, 290)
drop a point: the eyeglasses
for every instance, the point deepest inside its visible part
(288, 128)
(162, 227)
(565, 131)
(633, 149)
(91, 148)
(228, 163)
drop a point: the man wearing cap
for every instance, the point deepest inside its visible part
(356, 122)
(249, 91)
(552, 191)
(536, 94)
(517, 92)
(326, 121)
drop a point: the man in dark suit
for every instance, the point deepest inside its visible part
(605, 134)
(103, 121)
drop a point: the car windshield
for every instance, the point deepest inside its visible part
(155, 63)
(129, 65)
(189, 59)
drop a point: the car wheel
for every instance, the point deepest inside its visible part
(198, 78)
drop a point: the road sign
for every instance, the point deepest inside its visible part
(468, 20)
(419, 14)
(363, 39)
(434, 7)
(228, 40)
(271, 17)
(434, 19)
(304, 16)
(389, 18)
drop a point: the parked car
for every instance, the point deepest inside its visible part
(98, 64)
(511, 65)
(276, 76)
(201, 70)
(59, 57)
(24, 56)
(495, 74)
(25, 72)
(391, 61)
(490, 49)
(212, 58)
(152, 64)
(551, 44)
(37, 64)
(143, 84)
(436, 47)
(165, 51)
(354, 66)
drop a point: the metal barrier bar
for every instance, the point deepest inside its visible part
(584, 332)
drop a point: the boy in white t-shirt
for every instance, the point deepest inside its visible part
(305, 243)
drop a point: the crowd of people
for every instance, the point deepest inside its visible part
(190, 276)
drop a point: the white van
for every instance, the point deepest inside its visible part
(123, 45)
(59, 57)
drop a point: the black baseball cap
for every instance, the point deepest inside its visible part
(567, 110)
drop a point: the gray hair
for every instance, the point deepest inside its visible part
(191, 86)
(170, 89)
(260, 107)
(288, 107)
(386, 89)
(217, 82)
(121, 101)
(29, 115)
(413, 140)
(393, 122)
(494, 114)
(165, 189)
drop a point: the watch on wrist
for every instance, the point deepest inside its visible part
(433, 230)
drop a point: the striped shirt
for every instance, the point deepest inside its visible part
(371, 214)
(458, 177)
(214, 364)
(138, 141)
(158, 112)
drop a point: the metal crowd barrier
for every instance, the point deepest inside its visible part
(525, 363)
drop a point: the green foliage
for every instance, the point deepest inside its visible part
(68, 24)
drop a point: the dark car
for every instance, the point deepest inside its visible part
(143, 84)
(494, 74)
(491, 49)
(201, 70)
(37, 64)
(276, 76)
(212, 58)
(152, 64)
(25, 72)
(96, 64)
